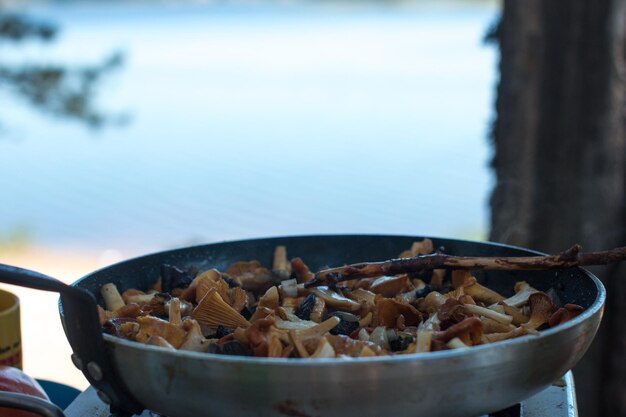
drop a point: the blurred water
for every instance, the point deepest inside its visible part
(255, 121)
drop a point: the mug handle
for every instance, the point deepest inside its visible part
(84, 333)
(29, 403)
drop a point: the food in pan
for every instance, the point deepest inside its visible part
(252, 310)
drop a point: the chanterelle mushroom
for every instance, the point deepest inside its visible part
(541, 308)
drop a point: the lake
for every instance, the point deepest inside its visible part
(255, 120)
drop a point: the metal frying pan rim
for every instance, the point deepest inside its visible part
(433, 356)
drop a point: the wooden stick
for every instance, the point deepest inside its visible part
(570, 258)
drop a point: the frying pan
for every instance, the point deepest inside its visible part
(454, 383)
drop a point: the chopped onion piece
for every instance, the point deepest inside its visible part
(290, 287)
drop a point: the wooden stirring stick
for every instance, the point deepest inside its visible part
(570, 258)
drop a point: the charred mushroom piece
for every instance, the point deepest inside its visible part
(565, 313)
(173, 277)
(305, 308)
(121, 327)
(158, 305)
(401, 343)
(469, 331)
(349, 323)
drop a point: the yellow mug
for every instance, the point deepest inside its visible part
(10, 333)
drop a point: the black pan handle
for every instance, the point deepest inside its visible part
(84, 334)
(30, 403)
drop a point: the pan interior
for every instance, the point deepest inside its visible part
(573, 285)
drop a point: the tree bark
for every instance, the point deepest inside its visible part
(560, 156)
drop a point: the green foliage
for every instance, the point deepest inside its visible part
(58, 90)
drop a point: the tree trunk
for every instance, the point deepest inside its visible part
(560, 156)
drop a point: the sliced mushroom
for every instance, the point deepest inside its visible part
(270, 299)
(238, 298)
(388, 310)
(302, 271)
(517, 332)
(363, 296)
(159, 341)
(112, 298)
(275, 347)
(261, 313)
(297, 343)
(431, 302)
(195, 340)
(335, 300)
(174, 312)
(281, 266)
(318, 312)
(129, 311)
(136, 296)
(150, 327)
(390, 286)
(257, 335)
(324, 349)
(423, 247)
(423, 340)
(288, 288)
(456, 343)
(344, 345)
(320, 329)
(522, 292)
(252, 275)
(493, 326)
(518, 316)
(486, 312)
(464, 279)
